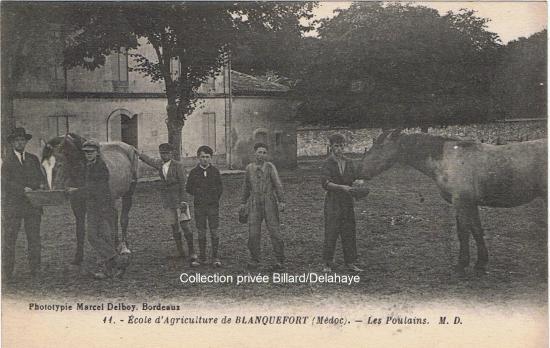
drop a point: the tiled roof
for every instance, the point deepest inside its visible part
(243, 84)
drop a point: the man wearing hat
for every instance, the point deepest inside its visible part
(99, 210)
(21, 172)
(173, 176)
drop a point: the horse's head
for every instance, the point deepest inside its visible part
(65, 155)
(382, 155)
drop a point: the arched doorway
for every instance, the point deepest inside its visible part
(122, 125)
(129, 130)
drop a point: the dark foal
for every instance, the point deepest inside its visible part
(69, 171)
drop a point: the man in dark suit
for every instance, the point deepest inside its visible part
(21, 172)
(173, 176)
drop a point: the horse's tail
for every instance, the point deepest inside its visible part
(127, 197)
(130, 152)
(134, 160)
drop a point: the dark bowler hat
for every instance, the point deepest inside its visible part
(19, 132)
(165, 147)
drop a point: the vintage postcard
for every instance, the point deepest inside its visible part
(274, 174)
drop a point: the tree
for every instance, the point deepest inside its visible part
(520, 82)
(196, 35)
(22, 35)
(399, 65)
(274, 52)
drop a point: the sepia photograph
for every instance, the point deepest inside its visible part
(274, 173)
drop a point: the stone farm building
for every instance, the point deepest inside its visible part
(235, 110)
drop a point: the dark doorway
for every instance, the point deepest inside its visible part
(129, 130)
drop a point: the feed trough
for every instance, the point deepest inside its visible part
(42, 198)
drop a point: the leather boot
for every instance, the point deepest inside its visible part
(215, 260)
(215, 242)
(177, 238)
(188, 237)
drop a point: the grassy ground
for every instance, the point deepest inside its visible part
(407, 247)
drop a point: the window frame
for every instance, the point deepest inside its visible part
(58, 70)
(66, 117)
(124, 53)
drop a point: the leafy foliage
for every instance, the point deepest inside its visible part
(23, 34)
(520, 87)
(399, 65)
(277, 51)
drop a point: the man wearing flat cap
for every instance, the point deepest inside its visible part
(21, 172)
(99, 211)
(173, 176)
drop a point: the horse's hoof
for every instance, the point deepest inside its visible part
(124, 249)
(100, 275)
(123, 261)
(119, 273)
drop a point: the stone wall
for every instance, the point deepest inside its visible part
(313, 141)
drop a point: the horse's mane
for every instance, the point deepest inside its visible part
(420, 146)
(76, 139)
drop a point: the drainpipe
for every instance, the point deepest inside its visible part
(230, 110)
(228, 106)
(226, 136)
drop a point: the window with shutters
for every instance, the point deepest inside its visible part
(278, 138)
(211, 86)
(57, 45)
(120, 70)
(209, 129)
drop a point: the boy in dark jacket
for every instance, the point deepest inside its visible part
(205, 184)
(99, 211)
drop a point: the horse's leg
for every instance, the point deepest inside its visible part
(463, 222)
(464, 252)
(78, 205)
(125, 213)
(114, 225)
(477, 232)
